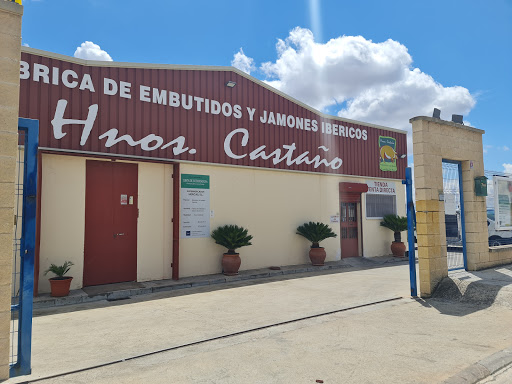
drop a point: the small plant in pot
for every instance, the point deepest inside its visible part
(397, 224)
(231, 237)
(316, 232)
(60, 284)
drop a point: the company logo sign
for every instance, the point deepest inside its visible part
(388, 156)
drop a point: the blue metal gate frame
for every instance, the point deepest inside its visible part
(27, 248)
(411, 220)
(462, 216)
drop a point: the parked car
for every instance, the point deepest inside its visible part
(497, 238)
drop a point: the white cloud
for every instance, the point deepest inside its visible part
(25, 45)
(243, 62)
(507, 168)
(505, 148)
(374, 80)
(90, 51)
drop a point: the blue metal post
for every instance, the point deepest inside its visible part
(27, 248)
(411, 215)
(462, 218)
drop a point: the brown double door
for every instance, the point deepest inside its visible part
(110, 247)
(349, 229)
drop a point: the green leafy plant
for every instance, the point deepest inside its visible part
(59, 270)
(231, 237)
(315, 232)
(395, 223)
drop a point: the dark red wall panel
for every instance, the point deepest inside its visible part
(204, 133)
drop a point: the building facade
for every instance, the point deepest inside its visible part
(139, 162)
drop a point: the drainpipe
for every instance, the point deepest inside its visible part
(176, 222)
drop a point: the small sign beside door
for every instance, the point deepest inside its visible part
(195, 206)
(124, 199)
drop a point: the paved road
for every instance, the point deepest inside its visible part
(291, 331)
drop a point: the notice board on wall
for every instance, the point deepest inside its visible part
(503, 202)
(195, 206)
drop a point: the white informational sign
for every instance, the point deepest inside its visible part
(503, 202)
(195, 206)
(381, 187)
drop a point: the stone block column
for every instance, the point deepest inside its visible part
(430, 224)
(435, 140)
(10, 53)
(475, 212)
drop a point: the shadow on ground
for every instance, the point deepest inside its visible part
(480, 290)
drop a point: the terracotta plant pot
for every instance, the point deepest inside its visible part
(60, 286)
(231, 264)
(398, 248)
(317, 256)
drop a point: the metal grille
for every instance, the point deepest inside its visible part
(16, 267)
(378, 206)
(452, 214)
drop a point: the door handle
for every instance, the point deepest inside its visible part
(118, 234)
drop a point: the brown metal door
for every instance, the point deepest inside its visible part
(348, 222)
(110, 247)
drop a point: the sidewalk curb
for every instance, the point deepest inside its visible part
(482, 369)
(80, 297)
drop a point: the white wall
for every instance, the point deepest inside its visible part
(63, 218)
(271, 204)
(154, 230)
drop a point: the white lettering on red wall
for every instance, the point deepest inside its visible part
(189, 115)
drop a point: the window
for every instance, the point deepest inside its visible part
(377, 206)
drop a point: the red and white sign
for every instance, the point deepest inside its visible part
(170, 113)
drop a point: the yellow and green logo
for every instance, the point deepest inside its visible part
(388, 156)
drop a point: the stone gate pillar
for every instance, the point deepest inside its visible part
(10, 53)
(434, 140)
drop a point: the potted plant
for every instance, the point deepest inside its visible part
(231, 237)
(397, 224)
(60, 284)
(316, 232)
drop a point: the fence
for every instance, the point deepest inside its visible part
(16, 268)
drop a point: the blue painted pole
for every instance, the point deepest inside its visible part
(27, 248)
(411, 215)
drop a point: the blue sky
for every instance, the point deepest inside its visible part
(375, 61)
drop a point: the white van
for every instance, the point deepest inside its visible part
(496, 238)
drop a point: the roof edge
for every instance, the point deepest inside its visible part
(94, 63)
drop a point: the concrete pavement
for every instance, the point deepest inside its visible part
(503, 376)
(285, 331)
(121, 291)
